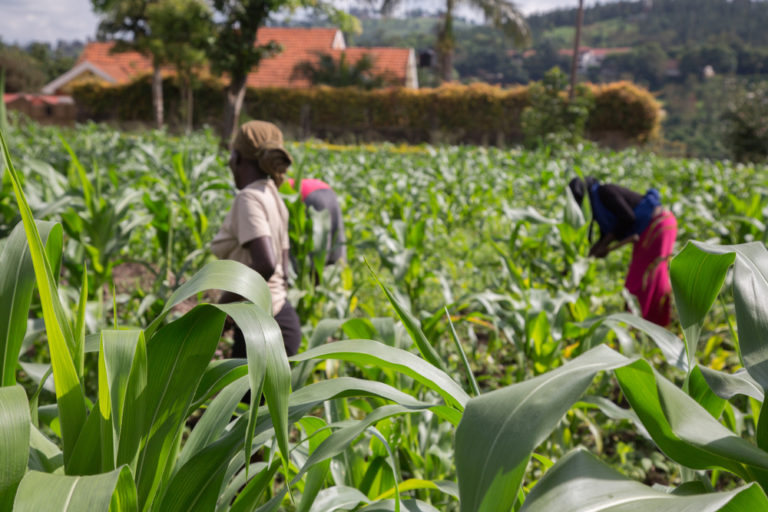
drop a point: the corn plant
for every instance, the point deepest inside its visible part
(407, 421)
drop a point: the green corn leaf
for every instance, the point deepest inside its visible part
(122, 387)
(268, 369)
(224, 275)
(750, 284)
(86, 455)
(728, 385)
(339, 497)
(85, 183)
(674, 351)
(470, 376)
(579, 482)
(428, 352)
(14, 441)
(40, 374)
(407, 505)
(44, 455)
(393, 464)
(323, 330)
(17, 282)
(219, 374)
(338, 442)
(44, 382)
(444, 486)
(323, 390)
(316, 429)
(69, 394)
(572, 214)
(107, 492)
(361, 328)
(378, 354)
(3, 112)
(489, 464)
(699, 390)
(237, 481)
(684, 430)
(79, 355)
(215, 419)
(249, 497)
(177, 356)
(197, 483)
(696, 277)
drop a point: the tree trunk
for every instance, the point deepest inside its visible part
(189, 103)
(445, 44)
(234, 102)
(576, 44)
(157, 95)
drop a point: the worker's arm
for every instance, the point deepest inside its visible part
(608, 244)
(600, 248)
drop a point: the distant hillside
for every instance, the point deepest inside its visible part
(670, 23)
(667, 22)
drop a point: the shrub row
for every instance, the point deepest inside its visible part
(478, 114)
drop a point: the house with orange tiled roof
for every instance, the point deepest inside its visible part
(98, 61)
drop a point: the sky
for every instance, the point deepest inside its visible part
(24, 21)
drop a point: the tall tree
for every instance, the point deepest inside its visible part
(235, 52)
(181, 30)
(126, 22)
(502, 14)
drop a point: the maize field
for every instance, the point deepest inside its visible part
(467, 356)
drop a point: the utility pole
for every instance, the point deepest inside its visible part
(576, 41)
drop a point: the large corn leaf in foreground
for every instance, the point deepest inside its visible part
(113, 492)
(228, 275)
(750, 288)
(500, 429)
(696, 277)
(122, 399)
(14, 441)
(701, 264)
(61, 340)
(177, 356)
(268, 368)
(17, 282)
(376, 353)
(684, 430)
(197, 484)
(579, 482)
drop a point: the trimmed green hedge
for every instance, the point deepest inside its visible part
(478, 114)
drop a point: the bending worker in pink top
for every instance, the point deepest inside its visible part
(320, 196)
(625, 217)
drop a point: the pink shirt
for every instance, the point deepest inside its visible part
(309, 185)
